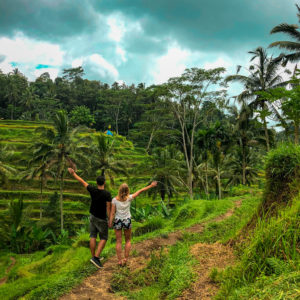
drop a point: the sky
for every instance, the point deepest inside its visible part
(135, 41)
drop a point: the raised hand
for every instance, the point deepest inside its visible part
(154, 183)
(71, 171)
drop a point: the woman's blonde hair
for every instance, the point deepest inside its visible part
(123, 192)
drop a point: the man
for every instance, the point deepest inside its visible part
(99, 210)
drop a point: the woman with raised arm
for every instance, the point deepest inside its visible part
(120, 218)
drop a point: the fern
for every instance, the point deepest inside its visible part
(277, 266)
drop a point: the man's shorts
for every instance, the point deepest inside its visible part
(98, 226)
(119, 224)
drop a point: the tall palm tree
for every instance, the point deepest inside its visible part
(263, 76)
(5, 168)
(167, 165)
(39, 168)
(103, 152)
(294, 46)
(247, 137)
(204, 142)
(60, 150)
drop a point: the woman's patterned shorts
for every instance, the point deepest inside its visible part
(119, 224)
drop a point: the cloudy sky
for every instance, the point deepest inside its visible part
(135, 40)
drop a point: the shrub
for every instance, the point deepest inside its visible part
(184, 213)
(149, 226)
(282, 176)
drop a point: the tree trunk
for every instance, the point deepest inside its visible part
(219, 182)
(296, 124)
(12, 111)
(190, 182)
(266, 134)
(206, 180)
(150, 140)
(244, 167)
(41, 200)
(61, 202)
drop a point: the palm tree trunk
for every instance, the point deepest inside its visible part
(12, 111)
(41, 199)
(206, 180)
(266, 134)
(150, 140)
(296, 124)
(244, 167)
(219, 182)
(190, 182)
(61, 202)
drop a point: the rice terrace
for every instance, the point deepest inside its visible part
(150, 150)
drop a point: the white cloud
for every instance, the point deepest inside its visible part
(170, 65)
(116, 28)
(121, 53)
(53, 72)
(27, 53)
(220, 62)
(98, 65)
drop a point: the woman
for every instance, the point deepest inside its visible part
(120, 218)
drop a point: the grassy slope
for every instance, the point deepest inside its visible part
(20, 136)
(269, 266)
(47, 274)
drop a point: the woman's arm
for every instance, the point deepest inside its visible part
(153, 184)
(112, 215)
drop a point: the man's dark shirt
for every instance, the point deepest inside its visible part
(99, 199)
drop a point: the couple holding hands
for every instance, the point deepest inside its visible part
(116, 210)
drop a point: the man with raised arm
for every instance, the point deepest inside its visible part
(100, 211)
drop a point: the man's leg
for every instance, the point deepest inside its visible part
(92, 245)
(100, 247)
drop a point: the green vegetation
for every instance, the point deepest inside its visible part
(270, 255)
(207, 154)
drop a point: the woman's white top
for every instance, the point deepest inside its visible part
(122, 208)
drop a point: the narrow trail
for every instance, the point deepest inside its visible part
(97, 286)
(4, 279)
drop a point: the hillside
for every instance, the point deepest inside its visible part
(20, 137)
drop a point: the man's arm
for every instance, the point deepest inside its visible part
(78, 178)
(112, 215)
(153, 184)
(108, 209)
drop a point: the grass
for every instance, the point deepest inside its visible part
(50, 273)
(167, 274)
(269, 260)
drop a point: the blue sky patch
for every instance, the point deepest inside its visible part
(40, 66)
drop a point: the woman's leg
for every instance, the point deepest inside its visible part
(127, 233)
(119, 244)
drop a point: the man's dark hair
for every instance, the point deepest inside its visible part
(100, 180)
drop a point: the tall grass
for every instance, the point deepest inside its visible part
(271, 251)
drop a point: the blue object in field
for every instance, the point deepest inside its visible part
(108, 132)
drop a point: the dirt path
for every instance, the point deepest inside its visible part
(4, 279)
(97, 286)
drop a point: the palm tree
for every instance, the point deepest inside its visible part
(29, 98)
(5, 169)
(167, 165)
(103, 158)
(218, 149)
(293, 32)
(39, 168)
(60, 150)
(263, 76)
(204, 142)
(247, 136)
